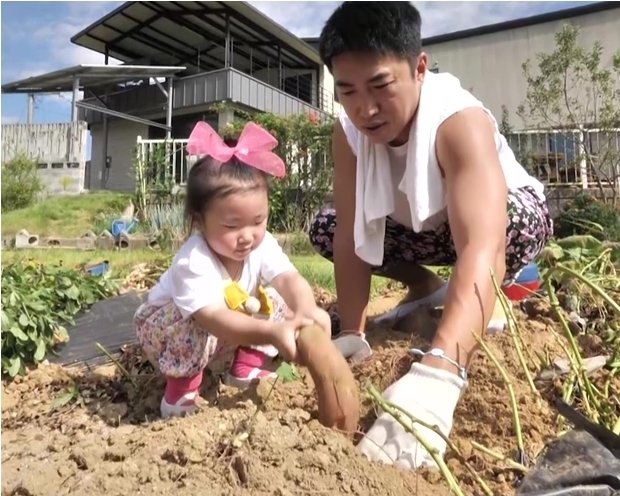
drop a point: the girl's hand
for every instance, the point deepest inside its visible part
(322, 319)
(285, 336)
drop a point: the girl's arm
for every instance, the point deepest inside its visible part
(242, 330)
(296, 292)
(234, 327)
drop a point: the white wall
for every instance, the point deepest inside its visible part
(59, 149)
(489, 65)
(122, 135)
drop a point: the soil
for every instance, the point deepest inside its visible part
(107, 439)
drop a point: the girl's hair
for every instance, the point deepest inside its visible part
(209, 179)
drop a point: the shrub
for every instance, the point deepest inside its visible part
(304, 143)
(21, 183)
(166, 222)
(587, 215)
(37, 300)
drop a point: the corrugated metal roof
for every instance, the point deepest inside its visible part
(90, 75)
(193, 34)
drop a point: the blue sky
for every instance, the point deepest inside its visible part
(35, 36)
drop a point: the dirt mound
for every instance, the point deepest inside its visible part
(96, 432)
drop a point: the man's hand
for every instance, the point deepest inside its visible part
(428, 394)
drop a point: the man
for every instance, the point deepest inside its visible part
(422, 176)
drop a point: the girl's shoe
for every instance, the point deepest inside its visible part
(185, 405)
(247, 367)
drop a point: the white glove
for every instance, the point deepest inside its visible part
(353, 346)
(429, 394)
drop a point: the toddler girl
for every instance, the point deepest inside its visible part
(215, 288)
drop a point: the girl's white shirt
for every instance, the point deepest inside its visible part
(196, 277)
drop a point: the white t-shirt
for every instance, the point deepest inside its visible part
(197, 278)
(514, 174)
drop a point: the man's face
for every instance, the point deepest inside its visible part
(380, 93)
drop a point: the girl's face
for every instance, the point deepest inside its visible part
(235, 225)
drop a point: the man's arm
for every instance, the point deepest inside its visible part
(352, 274)
(476, 199)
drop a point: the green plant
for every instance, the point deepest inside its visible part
(166, 222)
(21, 183)
(36, 301)
(152, 169)
(587, 215)
(572, 90)
(66, 182)
(304, 143)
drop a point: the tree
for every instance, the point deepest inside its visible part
(571, 90)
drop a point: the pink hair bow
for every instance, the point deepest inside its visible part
(253, 147)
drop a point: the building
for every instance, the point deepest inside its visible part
(488, 59)
(179, 59)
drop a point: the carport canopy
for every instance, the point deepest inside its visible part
(95, 78)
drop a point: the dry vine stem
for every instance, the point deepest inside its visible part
(512, 330)
(336, 390)
(511, 394)
(396, 411)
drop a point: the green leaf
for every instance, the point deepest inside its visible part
(36, 306)
(18, 333)
(15, 365)
(24, 320)
(73, 292)
(287, 372)
(40, 351)
(65, 398)
(5, 320)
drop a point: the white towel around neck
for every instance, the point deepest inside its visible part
(441, 96)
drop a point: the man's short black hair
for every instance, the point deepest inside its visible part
(386, 28)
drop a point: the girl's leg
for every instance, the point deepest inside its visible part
(181, 350)
(250, 362)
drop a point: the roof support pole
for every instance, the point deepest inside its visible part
(280, 67)
(106, 55)
(169, 109)
(105, 166)
(227, 43)
(74, 99)
(30, 108)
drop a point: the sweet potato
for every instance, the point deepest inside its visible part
(336, 390)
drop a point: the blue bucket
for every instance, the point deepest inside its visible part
(98, 269)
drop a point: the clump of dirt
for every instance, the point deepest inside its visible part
(96, 432)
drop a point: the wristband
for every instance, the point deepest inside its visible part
(439, 353)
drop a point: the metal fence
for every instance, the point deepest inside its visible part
(557, 157)
(569, 157)
(165, 159)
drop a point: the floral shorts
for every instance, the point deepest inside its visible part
(529, 228)
(180, 347)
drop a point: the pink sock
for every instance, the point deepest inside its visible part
(176, 387)
(245, 360)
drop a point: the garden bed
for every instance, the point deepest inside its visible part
(67, 431)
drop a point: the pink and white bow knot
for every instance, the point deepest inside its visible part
(254, 147)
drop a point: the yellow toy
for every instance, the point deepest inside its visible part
(238, 299)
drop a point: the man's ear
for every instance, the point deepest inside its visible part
(419, 65)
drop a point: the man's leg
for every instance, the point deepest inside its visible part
(420, 281)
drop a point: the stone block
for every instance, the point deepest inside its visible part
(23, 239)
